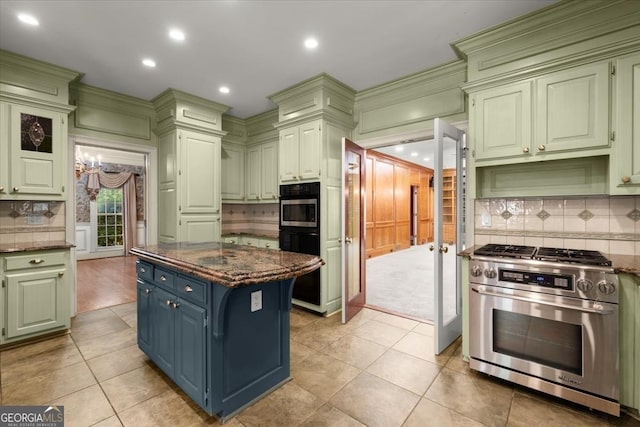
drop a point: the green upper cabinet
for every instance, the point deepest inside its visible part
(232, 181)
(299, 152)
(625, 165)
(502, 121)
(262, 173)
(573, 109)
(34, 108)
(199, 173)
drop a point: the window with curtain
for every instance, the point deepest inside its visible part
(110, 224)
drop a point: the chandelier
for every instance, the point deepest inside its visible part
(85, 163)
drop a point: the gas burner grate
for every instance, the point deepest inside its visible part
(575, 256)
(510, 251)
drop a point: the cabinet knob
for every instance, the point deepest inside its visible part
(274, 196)
(163, 279)
(147, 291)
(431, 248)
(541, 148)
(188, 288)
(175, 305)
(143, 270)
(268, 245)
(626, 179)
(525, 150)
(60, 273)
(16, 189)
(36, 261)
(168, 302)
(1, 189)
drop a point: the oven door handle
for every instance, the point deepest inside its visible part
(597, 308)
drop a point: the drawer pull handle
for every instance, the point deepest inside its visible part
(188, 288)
(16, 189)
(525, 150)
(268, 245)
(163, 279)
(36, 261)
(626, 179)
(143, 270)
(147, 291)
(541, 147)
(1, 189)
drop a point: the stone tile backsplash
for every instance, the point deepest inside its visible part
(606, 224)
(250, 218)
(31, 221)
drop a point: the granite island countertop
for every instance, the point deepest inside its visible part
(228, 264)
(621, 263)
(7, 248)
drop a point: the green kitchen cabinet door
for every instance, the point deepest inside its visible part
(199, 173)
(232, 175)
(501, 122)
(253, 173)
(573, 109)
(5, 137)
(269, 189)
(288, 154)
(625, 164)
(309, 151)
(144, 306)
(37, 301)
(200, 228)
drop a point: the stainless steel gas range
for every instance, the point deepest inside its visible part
(547, 318)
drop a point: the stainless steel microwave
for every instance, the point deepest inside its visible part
(299, 213)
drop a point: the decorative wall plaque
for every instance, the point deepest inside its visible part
(36, 133)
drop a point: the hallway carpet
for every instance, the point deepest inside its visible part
(402, 282)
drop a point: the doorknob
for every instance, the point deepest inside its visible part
(431, 248)
(348, 240)
(444, 249)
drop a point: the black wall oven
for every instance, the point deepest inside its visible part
(300, 232)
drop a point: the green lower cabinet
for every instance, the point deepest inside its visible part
(630, 340)
(37, 298)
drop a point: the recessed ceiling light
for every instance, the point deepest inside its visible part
(414, 154)
(28, 19)
(223, 89)
(399, 149)
(149, 62)
(311, 43)
(176, 34)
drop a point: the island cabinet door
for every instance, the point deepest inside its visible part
(162, 330)
(190, 347)
(145, 291)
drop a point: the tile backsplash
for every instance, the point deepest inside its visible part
(31, 221)
(606, 224)
(250, 218)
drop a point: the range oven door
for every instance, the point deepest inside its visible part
(568, 341)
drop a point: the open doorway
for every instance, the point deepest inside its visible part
(400, 221)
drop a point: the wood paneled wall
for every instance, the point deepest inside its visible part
(388, 216)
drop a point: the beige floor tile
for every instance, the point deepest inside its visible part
(27, 351)
(404, 370)
(109, 422)
(323, 375)
(17, 370)
(422, 346)
(289, 405)
(396, 321)
(319, 335)
(528, 411)
(131, 319)
(299, 319)
(475, 396)
(85, 407)
(381, 333)
(91, 330)
(299, 352)
(127, 390)
(88, 317)
(328, 416)
(165, 409)
(117, 362)
(424, 329)
(355, 351)
(48, 386)
(98, 346)
(428, 413)
(375, 402)
(124, 309)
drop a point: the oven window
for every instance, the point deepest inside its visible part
(547, 342)
(303, 212)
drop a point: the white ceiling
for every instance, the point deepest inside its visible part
(253, 47)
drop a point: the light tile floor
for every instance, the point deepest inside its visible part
(378, 370)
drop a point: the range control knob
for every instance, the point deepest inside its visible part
(585, 285)
(490, 273)
(606, 288)
(476, 271)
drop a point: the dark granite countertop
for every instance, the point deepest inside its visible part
(7, 248)
(620, 263)
(229, 264)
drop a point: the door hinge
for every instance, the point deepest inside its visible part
(180, 222)
(206, 395)
(3, 283)
(179, 172)
(473, 102)
(613, 70)
(3, 332)
(62, 120)
(613, 135)
(206, 321)
(63, 188)
(179, 208)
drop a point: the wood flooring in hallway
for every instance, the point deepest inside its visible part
(105, 282)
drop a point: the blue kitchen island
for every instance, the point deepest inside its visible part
(214, 317)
